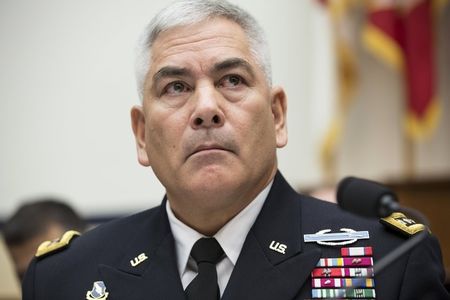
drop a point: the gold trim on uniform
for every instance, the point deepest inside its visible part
(50, 246)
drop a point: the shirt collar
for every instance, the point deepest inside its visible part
(231, 236)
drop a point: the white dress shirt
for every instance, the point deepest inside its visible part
(231, 238)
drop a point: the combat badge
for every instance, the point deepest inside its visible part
(98, 291)
(400, 223)
(327, 238)
(51, 246)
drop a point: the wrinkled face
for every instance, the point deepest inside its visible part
(210, 124)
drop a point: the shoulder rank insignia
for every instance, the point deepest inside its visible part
(51, 246)
(399, 222)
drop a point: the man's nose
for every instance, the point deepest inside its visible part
(207, 111)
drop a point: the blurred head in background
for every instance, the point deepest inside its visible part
(36, 221)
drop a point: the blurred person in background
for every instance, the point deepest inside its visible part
(36, 221)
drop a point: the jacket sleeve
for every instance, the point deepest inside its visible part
(28, 282)
(424, 274)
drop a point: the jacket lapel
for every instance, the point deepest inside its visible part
(273, 264)
(152, 276)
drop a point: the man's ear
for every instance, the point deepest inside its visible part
(138, 125)
(279, 109)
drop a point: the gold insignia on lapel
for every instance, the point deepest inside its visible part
(399, 222)
(138, 259)
(279, 247)
(51, 246)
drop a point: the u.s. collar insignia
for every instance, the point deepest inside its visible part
(138, 259)
(98, 291)
(279, 247)
(346, 237)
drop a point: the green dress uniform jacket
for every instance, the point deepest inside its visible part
(134, 258)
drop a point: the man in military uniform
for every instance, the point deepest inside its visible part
(230, 226)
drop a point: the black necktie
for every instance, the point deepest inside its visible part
(206, 252)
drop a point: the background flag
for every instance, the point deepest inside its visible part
(400, 33)
(344, 43)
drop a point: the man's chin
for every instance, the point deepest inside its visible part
(213, 178)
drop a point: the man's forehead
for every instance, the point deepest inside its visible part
(211, 24)
(217, 36)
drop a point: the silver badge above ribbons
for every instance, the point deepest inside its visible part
(345, 237)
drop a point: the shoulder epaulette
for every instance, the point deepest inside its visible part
(51, 246)
(402, 224)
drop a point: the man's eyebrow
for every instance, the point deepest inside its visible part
(234, 63)
(169, 71)
(230, 63)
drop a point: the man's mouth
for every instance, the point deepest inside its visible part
(208, 147)
(197, 145)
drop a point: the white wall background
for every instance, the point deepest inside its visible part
(67, 86)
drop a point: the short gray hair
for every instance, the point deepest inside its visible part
(187, 12)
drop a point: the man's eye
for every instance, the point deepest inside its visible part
(176, 88)
(231, 81)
